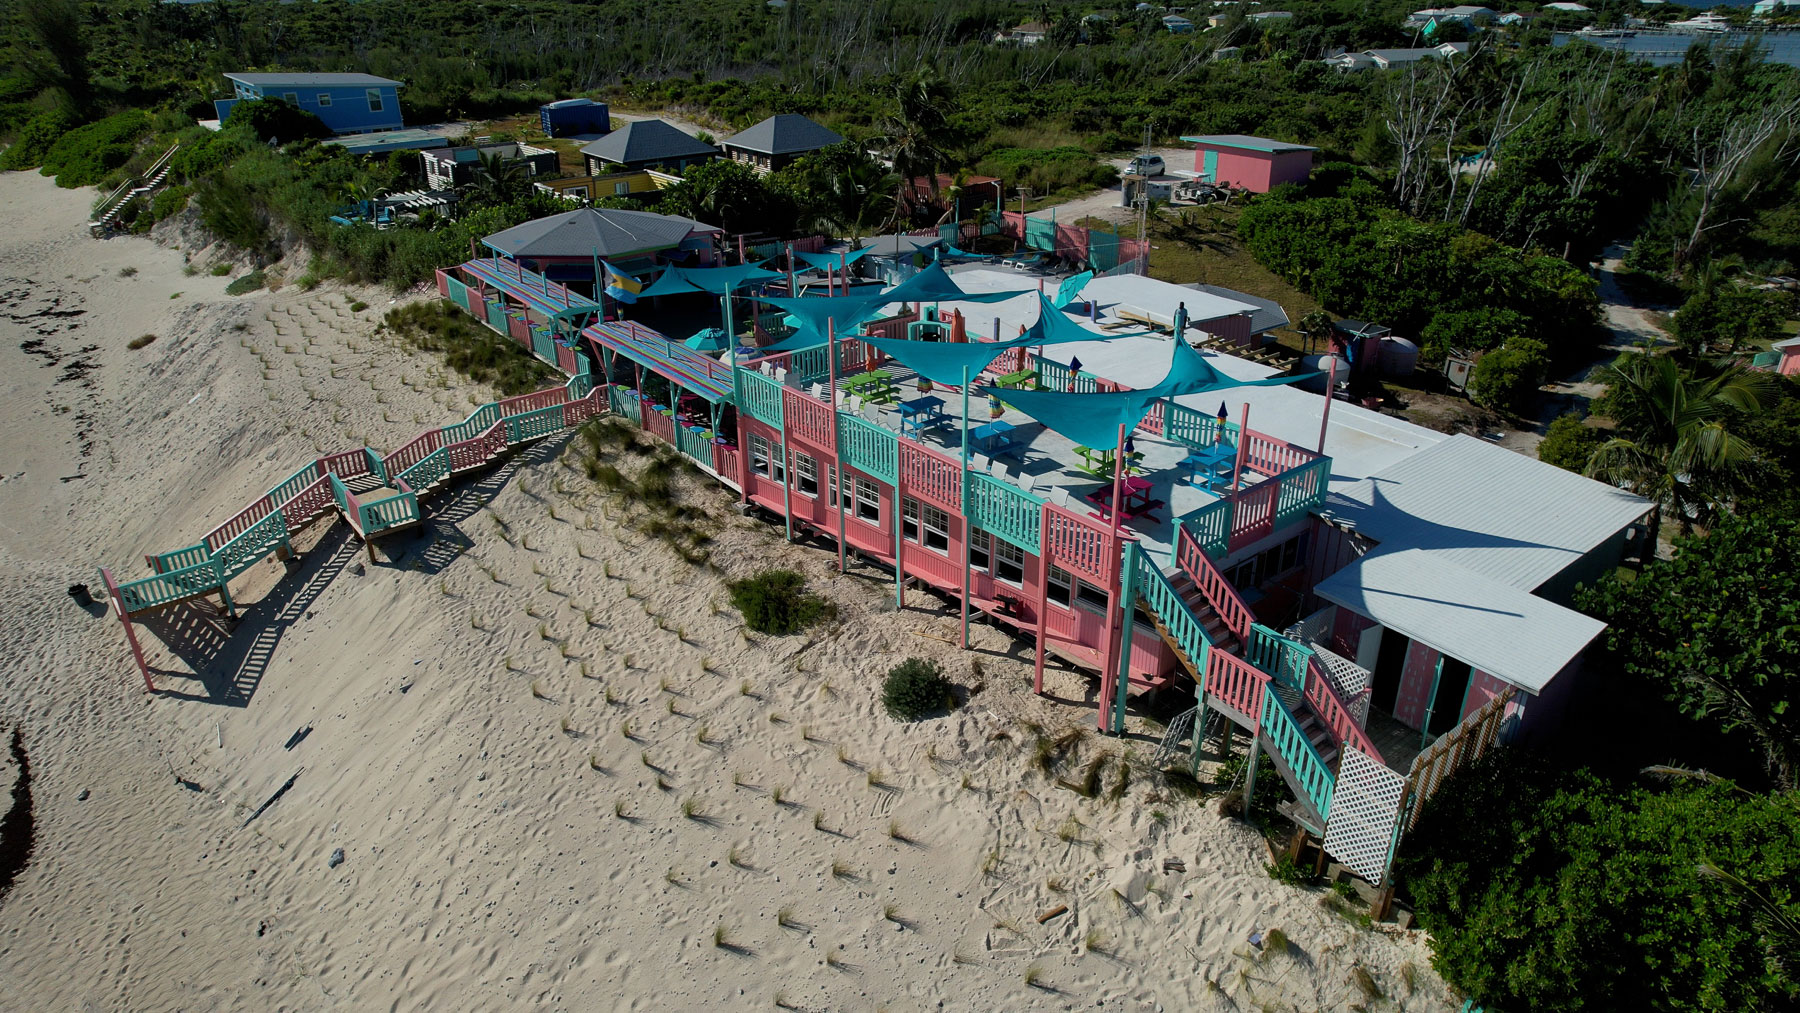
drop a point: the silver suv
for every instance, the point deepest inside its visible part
(1146, 165)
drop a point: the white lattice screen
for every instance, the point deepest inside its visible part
(1364, 810)
(1464, 744)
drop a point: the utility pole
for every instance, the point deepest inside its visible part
(1143, 209)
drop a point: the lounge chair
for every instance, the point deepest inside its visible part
(818, 392)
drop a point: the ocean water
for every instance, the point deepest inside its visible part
(1668, 47)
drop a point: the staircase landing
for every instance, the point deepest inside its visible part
(1398, 743)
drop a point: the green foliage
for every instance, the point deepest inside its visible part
(273, 120)
(467, 347)
(1047, 172)
(1286, 870)
(1723, 317)
(1569, 443)
(1717, 630)
(1363, 259)
(731, 195)
(1508, 378)
(777, 602)
(33, 143)
(169, 201)
(83, 156)
(915, 689)
(246, 283)
(1557, 892)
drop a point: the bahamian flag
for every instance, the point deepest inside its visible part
(621, 286)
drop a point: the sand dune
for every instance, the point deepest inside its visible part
(560, 772)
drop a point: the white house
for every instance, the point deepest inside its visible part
(1769, 7)
(1570, 8)
(1466, 13)
(1385, 59)
(1272, 16)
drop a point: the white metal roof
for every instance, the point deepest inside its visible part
(1488, 510)
(1501, 630)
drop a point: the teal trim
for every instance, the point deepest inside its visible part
(761, 396)
(869, 448)
(377, 467)
(1005, 511)
(1127, 628)
(1303, 760)
(163, 588)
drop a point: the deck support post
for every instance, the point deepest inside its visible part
(835, 470)
(787, 473)
(1199, 736)
(1043, 600)
(1127, 607)
(963, 487)
(118, 604)
(1250, 773)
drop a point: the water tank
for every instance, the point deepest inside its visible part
(1321, 364)
(1399, 357)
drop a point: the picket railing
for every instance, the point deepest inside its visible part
(1277, 655)
(1179, 620)
(163, 588)
(1079, 545)
(1314, 777)
(1333, 712)
(1005, 511)
(1236, 683)
(1213, 586)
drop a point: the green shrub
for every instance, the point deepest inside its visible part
(914, 689)
(1569, 443)
(1047, 171)
(34, 141)
(220, 270)
(83, 156)
(139, 342)
(1547, 890)
(467, 347)
(776, 602)
(169, 202)
(246, 283)
(1286, 870)
(1509, 377)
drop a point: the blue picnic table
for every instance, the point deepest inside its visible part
(992, 436)
(1208, 460)
(920, 413)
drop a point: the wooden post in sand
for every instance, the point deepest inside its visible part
(118, 603)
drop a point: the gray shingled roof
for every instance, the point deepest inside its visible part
(314, 80)
(647, 141)
(606, 232)
(785, 134)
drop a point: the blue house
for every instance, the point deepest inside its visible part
(347, 103)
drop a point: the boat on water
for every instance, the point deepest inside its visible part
(1709, 23)
(1605, 33)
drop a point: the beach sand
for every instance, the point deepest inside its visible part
(442, 715)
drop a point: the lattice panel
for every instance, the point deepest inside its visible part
(1352, 682)
(1364, 812)
(1464, 744)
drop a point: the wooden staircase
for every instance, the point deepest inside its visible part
(1217, 632)
(130, 190)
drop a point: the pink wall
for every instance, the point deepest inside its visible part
(1790, 362)
(1482, 688)
(1415, 684)
(1346, 630)
(1256, 171)
(1233, 329)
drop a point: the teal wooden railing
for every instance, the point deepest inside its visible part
(180, 558)
(255, 542)
(1056, 376)
(695, 444)
(1302, 490)
(869, 448)
(429, 471)
(1174, 614)
(1006, 511)
(1210, 527)
(1277, 655)
(201, 578)
(1196, 428)
(388, 513)
(1311, 774)
(759, 397)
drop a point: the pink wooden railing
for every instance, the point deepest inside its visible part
(307, 503)
(1213, 586)
(890, 327)
(241, 521)
(1153, 421)
(1253, 515)
(519, 328)
(1267, 455)
(565, 359)
(727, 461)
(348, 464)
(659, 425)
(808, 418)
(1333, 713)
(443, 283)
(1078, 545)
(412, 453)
(931, 477)
(1237, 683)
(522, 403)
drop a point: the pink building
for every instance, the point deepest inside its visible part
(1255, 163)
(1789, 363)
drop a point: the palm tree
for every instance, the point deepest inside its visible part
(499, 179)
(858, 199)
(913, 137)
(1674, 445)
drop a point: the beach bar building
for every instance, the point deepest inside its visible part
(1370, 603)
(1257, 164)
(569, 247)
(347, 103)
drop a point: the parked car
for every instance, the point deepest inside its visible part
(1146, 165)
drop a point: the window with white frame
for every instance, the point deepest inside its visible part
(831, 476)
(935, 523)
(1009, 561)
(374, 96)
(325, 100)
(806, 475)
(979, 553)
(621, 189)
(1059, 586)
(868, 500)
(766, 459)
(1089, 595)
(291, 97)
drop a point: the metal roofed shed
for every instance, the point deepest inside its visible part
(783, 134)
(1266, 316)
(1495, 627)
(587, 232)
(314, 80)
(406, 138)
(1490, 511)
(1257, 164)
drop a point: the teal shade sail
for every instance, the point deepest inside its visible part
(933, 284)
(819, 316)
(833, 261)
(943, 362)
(671, 282)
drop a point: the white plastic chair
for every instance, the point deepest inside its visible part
(1000, 473)
(979, 462)
(780, 375)
(853, 404)
(1027, 480)
(818, 392)
(1060, 496)
(873, 414)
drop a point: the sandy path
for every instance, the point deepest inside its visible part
(454, 717)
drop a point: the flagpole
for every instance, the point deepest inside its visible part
(1237, 472)
(965, 506)
(1118, 477)
(1330, 387)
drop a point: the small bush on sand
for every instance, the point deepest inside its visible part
(776, 602)
(915, 688)
(136, 343)
(246, 283)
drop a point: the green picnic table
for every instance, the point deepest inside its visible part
(876, 385)
(1024, 379)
